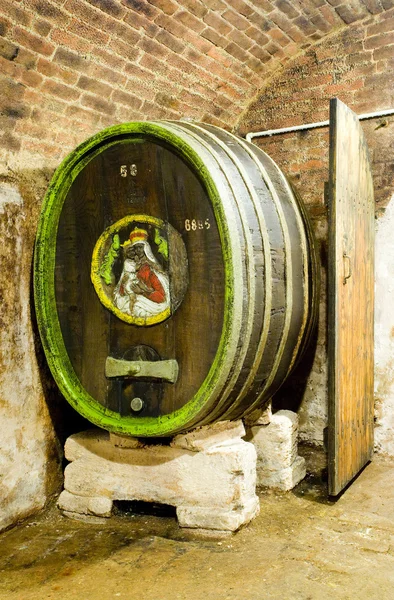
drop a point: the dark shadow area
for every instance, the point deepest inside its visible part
(314, 486)
(129, 508)
(65, 419)
(291, 393)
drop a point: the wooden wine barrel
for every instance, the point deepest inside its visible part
(175, 277)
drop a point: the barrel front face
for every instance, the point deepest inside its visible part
(173, 278)
(137, 275)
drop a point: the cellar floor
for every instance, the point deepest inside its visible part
(303, 545)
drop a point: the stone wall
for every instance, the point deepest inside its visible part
(356, 66)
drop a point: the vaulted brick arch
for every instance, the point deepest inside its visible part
(81, 65)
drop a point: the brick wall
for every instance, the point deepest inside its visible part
(356, 65)
(81, 65)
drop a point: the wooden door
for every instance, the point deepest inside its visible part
(350, 299)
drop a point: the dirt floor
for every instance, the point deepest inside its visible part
(302, 546)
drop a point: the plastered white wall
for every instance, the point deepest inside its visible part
(384, 332)
(27, 462)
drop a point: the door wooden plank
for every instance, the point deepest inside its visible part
(350, 299)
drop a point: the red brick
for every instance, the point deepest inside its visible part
(34, 130)
(255, 34)
(151, 63)
(82, 115)
(12, 94)
(95, 87)
(125, 32)
(241, 39)
(31, 79)
(33, 42)
(69, 40)
(211, 35)
(167, 6)
(142, 90)
(9, 68)
(127, 99)
(5, 25)
(10, 142)
(124, 50)
(152, 111)
(198, 42)
(153, 47)
(384, 53)
(26, 58)
(67, 138)
(364, 57)
(278, 36)
(389, 7)
(260, 53)
(381, 27)
(64, 92)
(49, 69)
(137, 72)
(197, 7)
(377, 41)
(109, 59)
(179, 63)
(44, 149)
(172, 26)
(208, 118)
(298, 36)
(216, 5)
(379, 82)
(110, 7)
(42, 27)
(241, 7)
(83, 30)
(140, 22)
(217, 23)
(8, 50)
(45, 116)
(17, 14)
(101, 72)
(142, 7)
(7, 124)
(278, 18)
(190, 21)
(174, 44)
(88, 14)
(98, 104)
(350, 15)
(220, 56)
(55, 104)
(69, 59)
(48, 11)
(316, 80)
(166, 101)
(237, 20)
(272, 48)
(289, 10)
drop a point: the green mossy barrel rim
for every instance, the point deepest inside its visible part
(44, 286)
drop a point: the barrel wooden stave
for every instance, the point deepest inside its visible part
(265, 252)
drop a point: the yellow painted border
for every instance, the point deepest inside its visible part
(96, 278)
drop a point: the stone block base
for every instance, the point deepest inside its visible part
(209, 475)
(278, 463)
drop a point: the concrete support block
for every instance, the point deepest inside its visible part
(210, 476)
(278, 463)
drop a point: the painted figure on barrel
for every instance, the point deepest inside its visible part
(143, 287)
